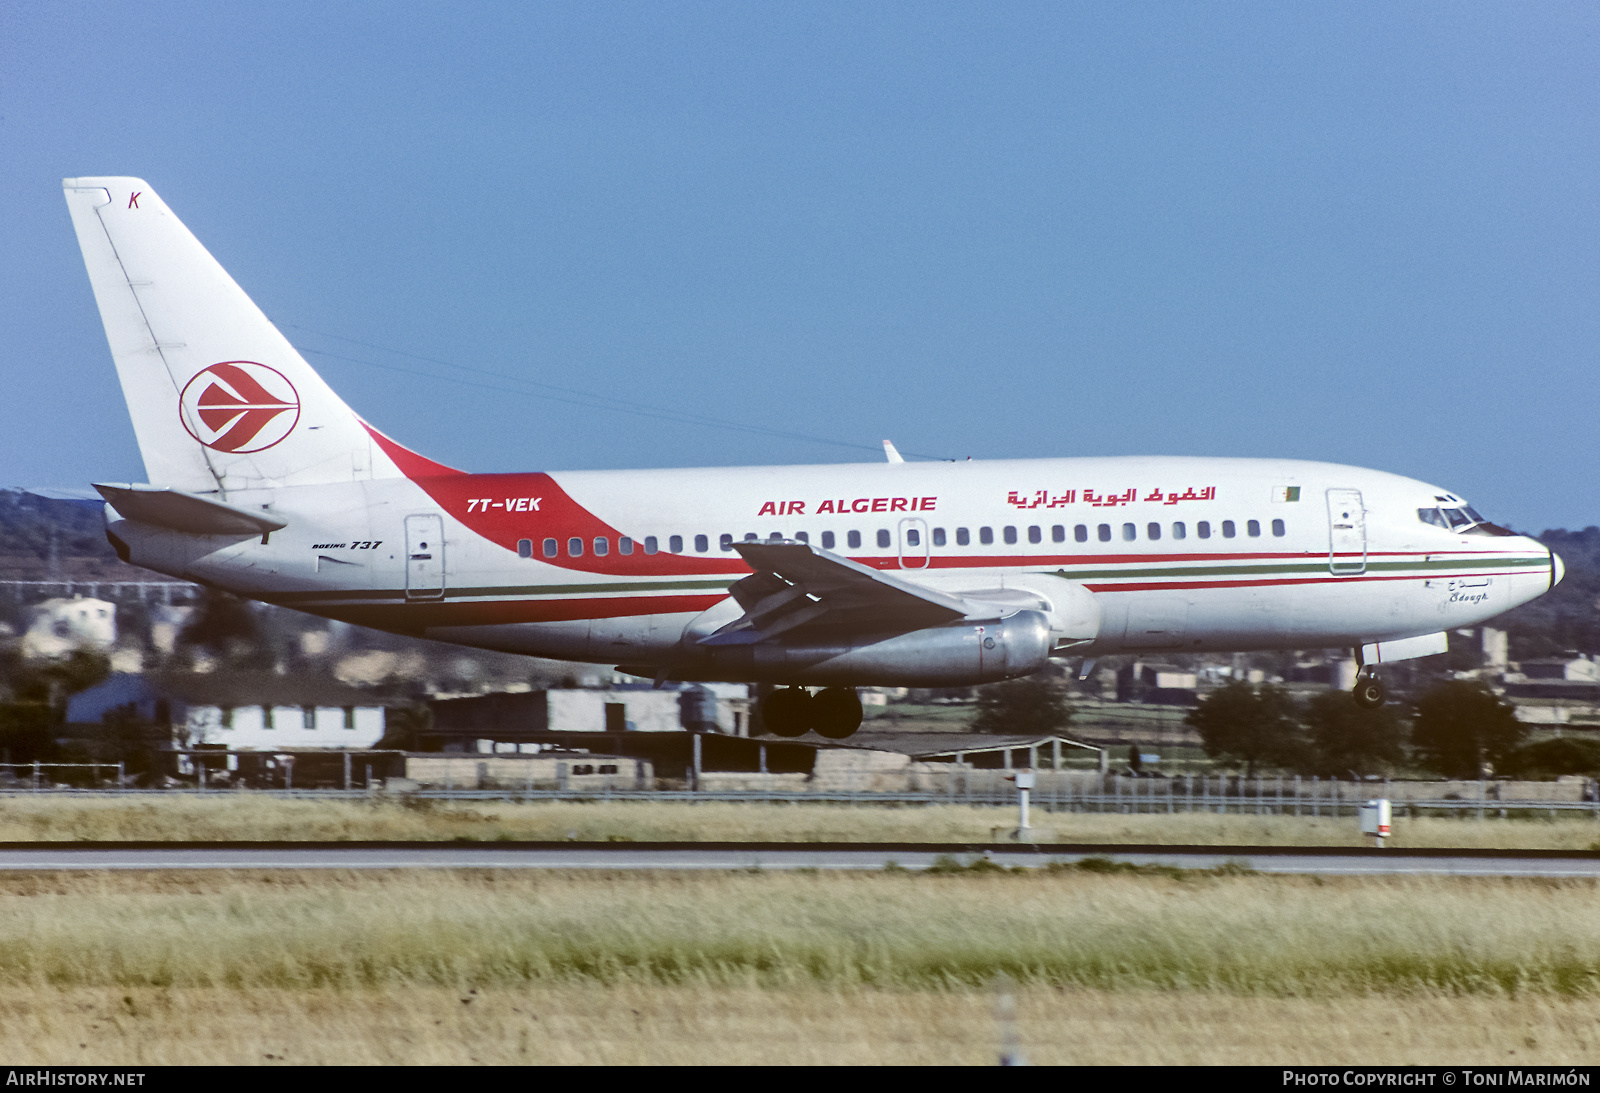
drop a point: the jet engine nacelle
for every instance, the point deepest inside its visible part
(1072, 610)
(956, 655)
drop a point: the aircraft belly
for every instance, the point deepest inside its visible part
(614, 640)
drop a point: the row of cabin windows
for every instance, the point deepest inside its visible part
(308, 718)
(1153, 531)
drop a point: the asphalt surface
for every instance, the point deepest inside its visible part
(777, 856)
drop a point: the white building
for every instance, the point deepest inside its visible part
(59, 626)
(242, 711)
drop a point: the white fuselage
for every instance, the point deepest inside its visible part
(616, 566)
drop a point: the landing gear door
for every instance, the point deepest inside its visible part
(1347, 532)
(913, 544)
(424, 557)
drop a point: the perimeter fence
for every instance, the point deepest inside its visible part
(1216, 794)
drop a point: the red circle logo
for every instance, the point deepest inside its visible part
(239, 407)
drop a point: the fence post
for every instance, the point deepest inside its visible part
(120, 773)
(347, 771)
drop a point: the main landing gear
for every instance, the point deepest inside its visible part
(834, 713)
(1369, 693)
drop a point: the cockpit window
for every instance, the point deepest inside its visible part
(1464, 519)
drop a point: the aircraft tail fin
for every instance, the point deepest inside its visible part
(219, 398)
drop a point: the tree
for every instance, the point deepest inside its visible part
(1252, 726)
(1024, 707)
(404, 727)
(1348, 739)
(1464, 730)
(1553, 758)
(225, 626)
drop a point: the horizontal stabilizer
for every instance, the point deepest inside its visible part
(186, 512)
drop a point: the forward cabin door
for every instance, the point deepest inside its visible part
(424, 557)
(1347, 532)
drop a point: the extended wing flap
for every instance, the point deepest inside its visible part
(186, 512)
(798, 586)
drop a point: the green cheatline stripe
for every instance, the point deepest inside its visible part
(1318, 566)
(510, 590)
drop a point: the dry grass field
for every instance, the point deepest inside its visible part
(497, 967)
(686, 1025)
(246, 816)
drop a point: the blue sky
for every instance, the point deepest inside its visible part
(1364, 232)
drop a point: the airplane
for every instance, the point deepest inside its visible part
(263, 482)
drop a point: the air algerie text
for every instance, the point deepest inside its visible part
(855, 504)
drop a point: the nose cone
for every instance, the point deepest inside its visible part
(1557, 569)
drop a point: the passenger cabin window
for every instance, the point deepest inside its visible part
(726, 542)
(853, 540)
(938, 536)
(1203, 529)
(1035, 535)
(963, 537)
(602, 546)
(827, 540)
(1129, 532)
(775, 537)
(1104, 532)
(701, 544)
(1058, 533)
(1010, 534)
(750, 536)
(986, 536)
(624, 545)
(1179, 531)
(1153, 530)
(524, 548)
(883, 538)
(651, 546)
(574, 548)
(913, 537)
(803, 536)
(1253, 528)
(550, 548)
(1227, 529)
(675, 544)
(1080, 533)
(1278, 529)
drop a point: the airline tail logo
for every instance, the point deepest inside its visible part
(239, 407)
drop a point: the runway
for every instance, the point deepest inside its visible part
(1322, 861)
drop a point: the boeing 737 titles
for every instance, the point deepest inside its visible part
(263, 482)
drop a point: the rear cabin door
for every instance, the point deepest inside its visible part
(1347, 532)
(424, 557)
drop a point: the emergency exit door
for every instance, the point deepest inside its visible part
(424, 557)
(1347, 532)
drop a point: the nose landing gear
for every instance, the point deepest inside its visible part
(1369, 693)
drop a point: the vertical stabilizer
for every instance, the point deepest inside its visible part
(219, 398)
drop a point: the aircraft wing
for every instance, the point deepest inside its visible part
(797, 586)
